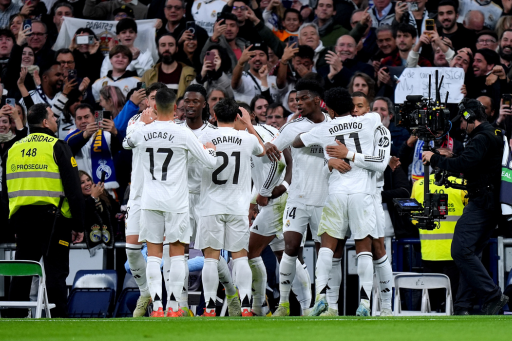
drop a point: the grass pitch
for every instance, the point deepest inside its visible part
(450, 328)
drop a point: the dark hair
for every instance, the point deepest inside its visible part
(360, 94)
(86, 30)
(305, 51)
(126, 24)
(310, 85)
(157, 39)
(314, 77)
(226, 110)
(200, 89)
(454, 4)
(255, 99)
(155, 86)
(292, 10)
(490, 56)
(165, 99)
(8, 34)
(42, 23)
(49, 67)
(488, 33)
(229, 16)
(246, 107)
(225, 60)
(37, 114)
(63, 51)
(121, 49)
(339, 100)
(85, 106)
(318, 2)
(507, 30)
(405, 28)
(62, 4)
(272, 107)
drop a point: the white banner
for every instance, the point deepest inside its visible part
(414, 81)
(106, 31)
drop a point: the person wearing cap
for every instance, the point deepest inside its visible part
(256, 81)
(105, 10)
(126, 31)
(123, 12)
(487, 39)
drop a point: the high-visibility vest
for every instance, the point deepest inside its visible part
(32, 174)
(436, 244)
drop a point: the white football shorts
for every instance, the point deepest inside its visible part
(223, 231)
(342, 211)
(297, 217)
(380, 218)
(132, 220)
(269, 222)
(155, 225)
(193, 205)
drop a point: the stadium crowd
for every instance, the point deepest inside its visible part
(98, 74)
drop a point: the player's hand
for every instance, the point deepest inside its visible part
(262, 201)
(90, 130)
(245, 118)
(426, 157)
(340, 165)
(210, 145)
(272, 152)
(148, 116)
(253, 212)
(339, 151)
(77, 237)
(278, 191)
(394, 162)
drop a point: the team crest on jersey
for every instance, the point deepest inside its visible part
(273, 86)
(491, 17)
(287, 223)
(105, 83)
(95, 234)
(214, 13)
(103, 168)
(198, 5)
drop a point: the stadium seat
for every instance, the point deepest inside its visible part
(376, 292)
(93, 293)
(27, 268)
(422, 282)
(128, 298)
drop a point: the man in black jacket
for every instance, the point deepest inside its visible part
(481, 164)
(33, 200)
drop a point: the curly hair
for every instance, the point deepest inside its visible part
(339, 100)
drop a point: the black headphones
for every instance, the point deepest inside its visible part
(469, 115)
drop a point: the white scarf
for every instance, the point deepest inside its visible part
(6, 137)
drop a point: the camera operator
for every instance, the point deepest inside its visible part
(481, 164)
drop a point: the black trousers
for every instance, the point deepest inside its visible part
(472, 233)
(33, 225)
(448, 268)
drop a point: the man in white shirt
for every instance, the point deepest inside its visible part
(165, 149)
(350, 201)
(136, 261)
(225, 199)
(308, 191)
(256, 81)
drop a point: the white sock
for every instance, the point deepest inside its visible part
(225, 277)
(243, 280)
(385, 278)
(176, 281)
(259, 283)
(138, 267)
(301, 285)
(183, 300)
(323, 269)
(286, 276)
(166, 271)
(365, 272)
(155, 281)
(210, 279)
(333, 293)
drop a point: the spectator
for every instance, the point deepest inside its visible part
(105, 10)
(412, 15)
(290, 104)
(60, 11)
(88, 57)
(218, 73)
(273, 60)
(487, 39)
(94, 158)
(123, 12)
(37, 41)
(291, 22)
(180, 110)
(503, 24)
(112, 99)
(301, 58)
(342, 65)
(383, 12)
(489, 108)
(273, 13)
(259, 106)
(7, 9)
(474, 21)
(242, 10)
(367, 45)
(120, 57)
(225, 34)
(329, 30)
(177, 25)
(51, 85)
(361, 82)
(175, 75)
(126, 31)
(256, 81)
(16, 24)
(405, 38)
(386, 44)
(484, 62)
(6, 44)
(447, 17)
(188, 53)
(276, 115)
(386, 109)
(505, 50)
(214, 96)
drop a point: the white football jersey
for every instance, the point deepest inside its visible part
(357, 133)
(490, 10)
(250, 86)
(227, 189)
(266, 174)
(163, 152)
(309, 186)
(205, 13)
(137, 179)
(195, 167)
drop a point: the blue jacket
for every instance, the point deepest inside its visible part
(399, 136)
(121, 121)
